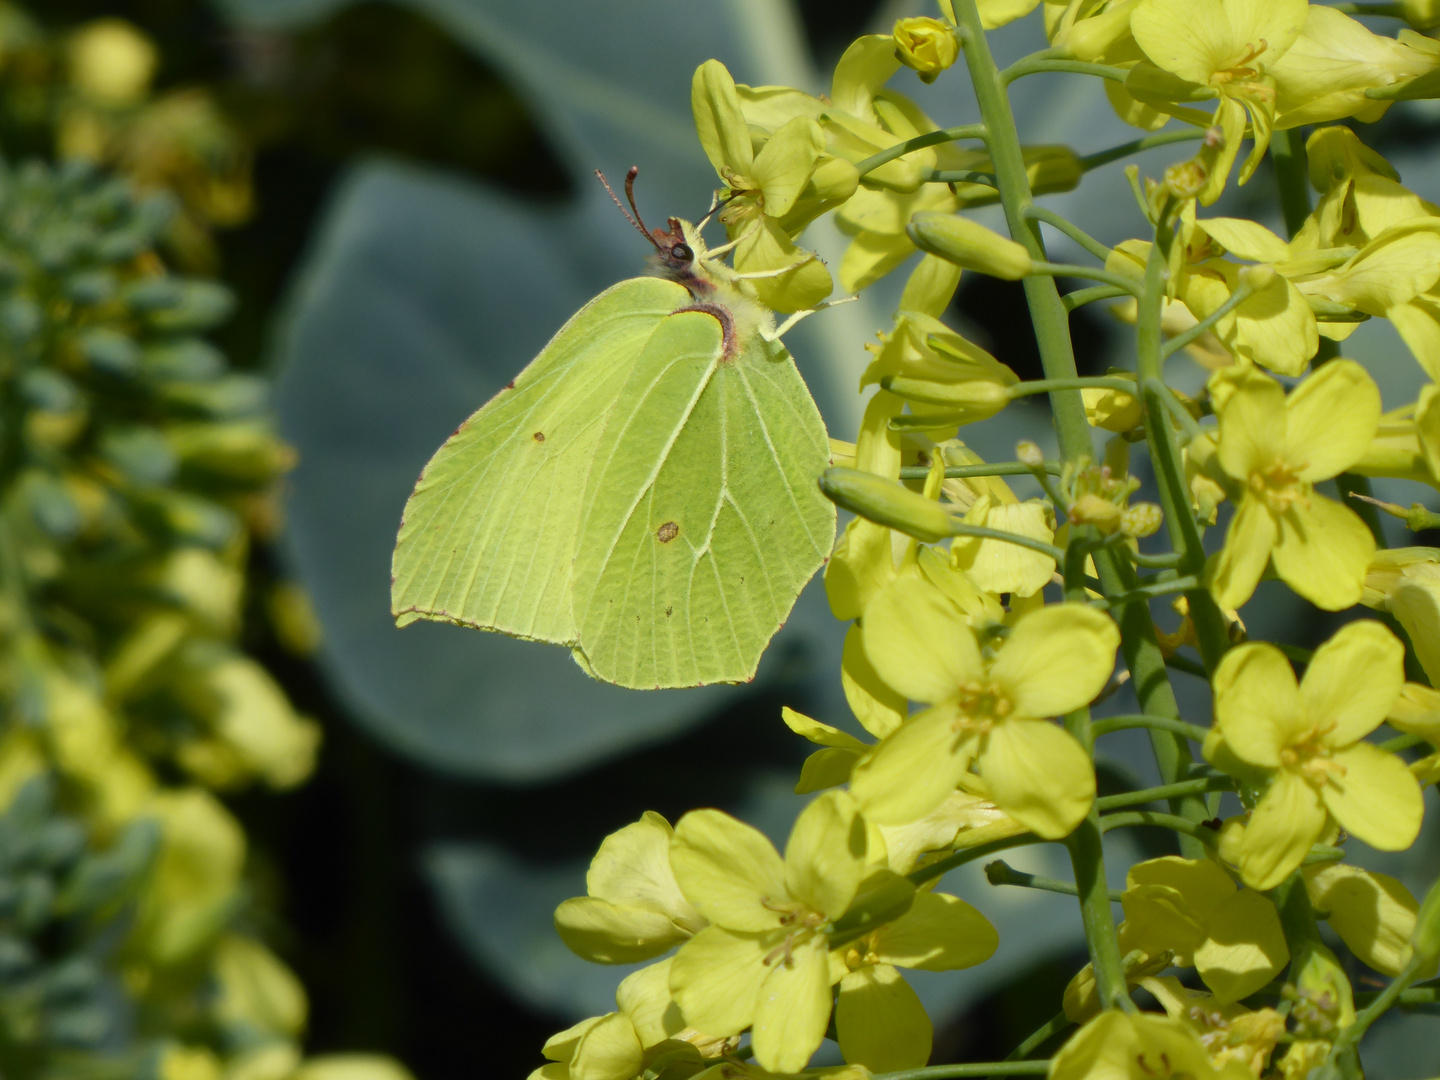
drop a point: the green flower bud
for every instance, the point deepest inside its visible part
(926, 45)
(886, 502)
(969, 244)
(1142, 519)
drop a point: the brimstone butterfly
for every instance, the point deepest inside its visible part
(644, 492)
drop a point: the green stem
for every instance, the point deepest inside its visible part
(964, 472)
(1351, 1036)
(1081, 297)
(1429, 994)
(1070, 229)
(1184, 826)
(1402, 742)
(1036, 66)
(1048, 1030)
(1182, 583)
(1188, 666)
(980, 1068)
(1084, 382)
(1242, 292)
(1165, 454)
(960, 176)
(920, 142)
(1089, 273)
(1166, 791)
(931, 871)
(1154, 723)
(959, 528)
(1168, 561)
(1178, 412)
(1051, 324)
(1000, 872)
(1124, 150)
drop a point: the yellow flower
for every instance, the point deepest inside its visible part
(986, 709)
(643, 1035)
(1138, 1046)
(1201, 49)
(1228, 1031)
(634, 909)
(765, 185)
(766, 962)
(1279, 448)
(1308, 742)
(1323, 76)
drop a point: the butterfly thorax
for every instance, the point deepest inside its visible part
(682, 257)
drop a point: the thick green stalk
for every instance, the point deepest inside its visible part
(1052, 333)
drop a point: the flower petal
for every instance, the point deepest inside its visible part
(1257, 703)
(1189, 38)
(1373, 913)
(879, 709)
(1376, 798)
(825, 855)
(1323, 552)
(880, 1021)
(1353, 681)
(918, 641)
(1288, 820)
(1252, 425)
(727, 869)
(1057, 659)
(1245, 946)
(786, 162)
(1248, 543)
(610, 1050)
(912, 771)
(715, 979)
(940, 932)
(1330, 420)
(1039, 775)
(793, 1009)
(606, 933)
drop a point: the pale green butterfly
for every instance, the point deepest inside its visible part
(644, 492)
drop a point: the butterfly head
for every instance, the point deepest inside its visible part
(680, 252)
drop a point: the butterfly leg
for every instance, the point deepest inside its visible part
(795, 317)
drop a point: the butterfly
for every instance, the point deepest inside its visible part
(644, 492)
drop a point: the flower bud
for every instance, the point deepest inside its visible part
(969, 244)
(886, 502)
(1142, 519)
(1029, 453)
(1093, 510)
(926, 45)
(977, 398)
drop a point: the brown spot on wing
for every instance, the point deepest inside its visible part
(539, 436)
(667, 532)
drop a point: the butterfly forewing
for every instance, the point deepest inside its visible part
(488, 537)
(704, 520)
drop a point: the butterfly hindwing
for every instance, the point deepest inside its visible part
(488, 536)
(703, 520)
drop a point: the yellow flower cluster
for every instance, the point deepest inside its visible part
(984, 628)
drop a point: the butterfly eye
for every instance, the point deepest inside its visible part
(682, 252)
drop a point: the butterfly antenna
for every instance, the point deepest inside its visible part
(634, 219)
(716, 203)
